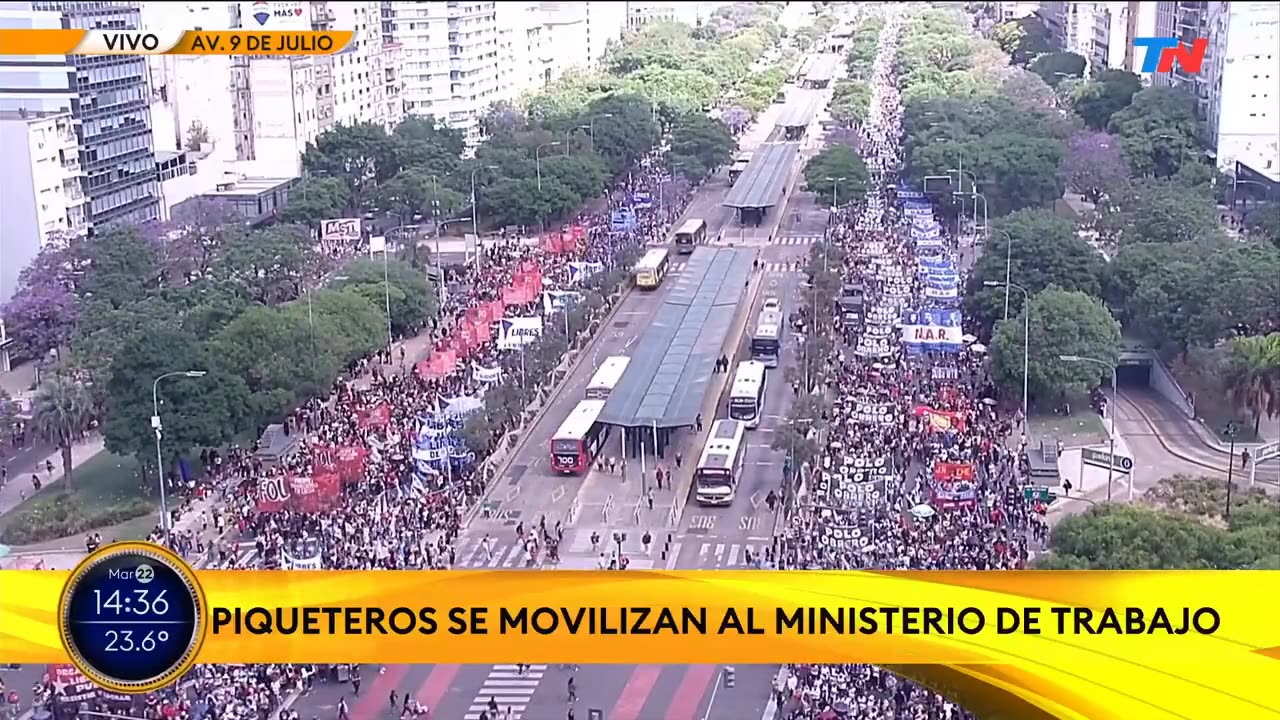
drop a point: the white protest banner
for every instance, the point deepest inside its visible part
(516, 332)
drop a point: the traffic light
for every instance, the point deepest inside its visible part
(730, 677)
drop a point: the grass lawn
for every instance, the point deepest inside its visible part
(107, 492)
(1081, 427)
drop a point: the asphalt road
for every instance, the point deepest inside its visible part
(530, 489)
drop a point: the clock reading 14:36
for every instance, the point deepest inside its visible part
(132, 617)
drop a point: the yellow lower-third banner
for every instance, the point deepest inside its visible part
(1069, 644)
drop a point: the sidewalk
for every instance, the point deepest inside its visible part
(19, 487)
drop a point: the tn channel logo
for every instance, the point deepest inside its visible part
(1162, 51)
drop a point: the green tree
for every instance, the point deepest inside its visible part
(1061, 323)
(125, 266)
(1158, 131)
(10, 414)
(1157, 211)
(850, 101)
(261, 347)
(197, 412)
(416, 192)
(315, 199)
(415, 301)
(1109, 92)
(838, 162)
(427, 145)
(1265, 223)
(1133, 537)
(1023, 39)
(625, 129)
(697, 135)
(268, 266)
(1053, 68)
(1253, 381)
(361, 155)
(61, 412)
(1046, 252)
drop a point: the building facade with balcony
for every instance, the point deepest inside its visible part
(111, 107)
(1240, 83)
(41, 200)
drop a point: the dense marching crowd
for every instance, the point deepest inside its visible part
(392, 519)
(872, 499)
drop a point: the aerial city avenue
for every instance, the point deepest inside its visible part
(622, 286)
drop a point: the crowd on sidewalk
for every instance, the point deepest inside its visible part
(915, 472)
(398, 503)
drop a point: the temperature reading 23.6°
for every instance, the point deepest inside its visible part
(123, 640)
(132, 617)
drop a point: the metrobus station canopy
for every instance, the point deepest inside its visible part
(765, 177)
(822, 70)
(666, 381)
(800, 109)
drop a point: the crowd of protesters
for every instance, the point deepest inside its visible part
(395, 516)
(874, 498)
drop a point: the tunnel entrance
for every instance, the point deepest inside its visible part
(1134, 375)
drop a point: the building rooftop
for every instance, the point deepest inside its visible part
(248, 186)
(666, 381)
(764, 178)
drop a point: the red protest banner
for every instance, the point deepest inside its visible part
(512, 296)
(376, 416)
(949, 471)
(273, 493)
(350, 463)
(303, 496)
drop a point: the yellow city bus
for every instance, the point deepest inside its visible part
(652, 268)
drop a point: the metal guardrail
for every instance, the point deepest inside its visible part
(606, 509)
(1261, 454)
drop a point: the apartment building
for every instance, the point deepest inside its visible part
(40, 194)
(461, 57)
(1240, 83)
(112, 118)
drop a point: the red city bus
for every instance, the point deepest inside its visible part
(580, 438)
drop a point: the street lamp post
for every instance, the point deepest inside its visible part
(591, 128)
(1026, 335)
(1111, 462)
(158, 427)
(435, 212)
(1232, 431)
(1008, 268)
(475, 222)
(537, 159)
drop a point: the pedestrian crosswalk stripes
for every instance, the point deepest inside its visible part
(508, 687)
(479, 554)
(717, 556)
(782, 267)
(797, 240)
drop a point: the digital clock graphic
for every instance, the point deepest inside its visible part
(132, 617)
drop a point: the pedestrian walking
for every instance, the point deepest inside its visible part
(698, 422)
(573, 690)
(645, 540)
(649, 497)
(679, 459)
(657, 477)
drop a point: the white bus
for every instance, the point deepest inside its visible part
(746, 396)
(720, 467)
(651, 268)
(606, 377)
(693, 232)
(766, 341)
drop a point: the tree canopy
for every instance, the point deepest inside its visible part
(1046, 252)
(837, 169)
(1179, 526)
(1061, 323)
